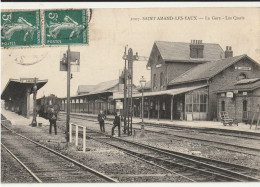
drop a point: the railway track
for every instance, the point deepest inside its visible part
(195, 168)
(209, 142)
(215, 131)
(45, 164)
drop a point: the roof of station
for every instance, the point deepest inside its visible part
(242, 85)
(15, 88)
(180, 52)
(101, 88)
(85, 88)
(158, 93)
(207, 70)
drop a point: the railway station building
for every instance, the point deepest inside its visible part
(186, 79)
(16, 94)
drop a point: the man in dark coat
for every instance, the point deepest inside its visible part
(116, 123)
(52, 116)
(101, 120)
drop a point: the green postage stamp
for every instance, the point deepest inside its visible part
(63, 27)
(20, 28)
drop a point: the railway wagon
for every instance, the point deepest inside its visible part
(84, 105)
(45, 103)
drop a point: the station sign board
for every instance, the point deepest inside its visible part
(244, 93)
(28, 80)
(243, 68)
(229, 94)
(74, 62)
(119, 105)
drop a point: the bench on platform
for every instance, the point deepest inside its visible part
(225, 119)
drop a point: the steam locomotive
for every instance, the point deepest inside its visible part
(45, 103)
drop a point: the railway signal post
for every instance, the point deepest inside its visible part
(128, 90)
(68, 95)
(69, 59)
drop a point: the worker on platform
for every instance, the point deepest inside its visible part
(52, 116)
(101, 120)
(116, 123)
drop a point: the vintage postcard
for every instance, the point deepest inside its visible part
(130, 94)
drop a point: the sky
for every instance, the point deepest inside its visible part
(110, 30)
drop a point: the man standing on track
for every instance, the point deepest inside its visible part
(116, 123)
(101, 120)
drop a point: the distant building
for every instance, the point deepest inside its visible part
(93, 98)
(84, 89)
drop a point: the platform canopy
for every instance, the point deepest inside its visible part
(158, 93)
(15, 88)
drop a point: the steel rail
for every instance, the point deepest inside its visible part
(223, 132)
(199, 139)
(133, 155)
(192, 160)
(202, 129)
(203, 159)
(206, 160)
(20, 162)
(97, 173)
(140, 155)
(183, 158)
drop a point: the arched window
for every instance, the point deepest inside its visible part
(241, 76)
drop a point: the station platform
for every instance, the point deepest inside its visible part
(16, 119)
(242, 127)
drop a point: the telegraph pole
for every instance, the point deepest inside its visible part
(68, 94)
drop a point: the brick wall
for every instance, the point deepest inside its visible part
(228, 78)
(234, 106)
(170, 70)
(156, 59)
(175, 69)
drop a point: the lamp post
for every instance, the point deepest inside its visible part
(142, 84)
(34, 122)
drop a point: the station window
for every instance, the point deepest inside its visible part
(241, 76)
(245, 105)
(196, 102)
(154, 80)
(161, 79)
(223, 107)
(188, 101)
(203, 103)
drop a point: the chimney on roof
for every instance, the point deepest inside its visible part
(196, 49)
(228, 52)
